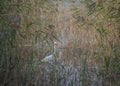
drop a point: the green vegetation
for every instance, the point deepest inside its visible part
(88, 37)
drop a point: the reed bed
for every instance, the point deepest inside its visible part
(87, 35)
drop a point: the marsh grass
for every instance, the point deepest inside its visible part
(88, 47)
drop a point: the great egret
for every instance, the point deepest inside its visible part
(50, 58)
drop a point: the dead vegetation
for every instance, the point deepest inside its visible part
(87, 34)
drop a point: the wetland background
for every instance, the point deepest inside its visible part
(87, 33)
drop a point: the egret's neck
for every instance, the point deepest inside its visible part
(55, 49)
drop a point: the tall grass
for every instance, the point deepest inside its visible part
(87, 34)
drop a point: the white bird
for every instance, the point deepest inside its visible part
(50, 58)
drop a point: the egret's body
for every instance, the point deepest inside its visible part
(49, 58)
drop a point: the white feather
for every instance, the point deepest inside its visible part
(49, 58)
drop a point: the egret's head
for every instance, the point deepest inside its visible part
(55, 42)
